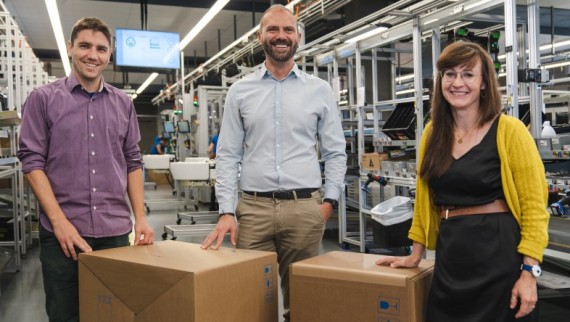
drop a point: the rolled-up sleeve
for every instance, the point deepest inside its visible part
(33, 140)
(130, 147)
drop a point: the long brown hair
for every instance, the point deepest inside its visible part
(438, 157)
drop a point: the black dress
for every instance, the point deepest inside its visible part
(477, 263)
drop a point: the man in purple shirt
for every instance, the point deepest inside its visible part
(79, 153)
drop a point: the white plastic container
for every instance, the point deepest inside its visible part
(547, 130)
(393, 211)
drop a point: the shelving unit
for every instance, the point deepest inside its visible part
(10, 168)
(20, 72)
(356, 67)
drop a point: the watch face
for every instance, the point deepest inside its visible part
(536, 270)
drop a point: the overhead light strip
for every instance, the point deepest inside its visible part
(144, 85)
(58, 33)
(219, 5)
(367, 34)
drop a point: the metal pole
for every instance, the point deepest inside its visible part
(418, 84)
(511, 50)
(536, 99)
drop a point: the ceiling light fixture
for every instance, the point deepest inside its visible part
(58, 33)
(380, 27)
(405, 77)
(146, 83)
(562, 64)
(219, 5)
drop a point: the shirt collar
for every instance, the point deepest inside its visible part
(263, 72)
(73, 82)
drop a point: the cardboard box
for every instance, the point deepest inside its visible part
(178, 281)
(344, 286)
(372, 161)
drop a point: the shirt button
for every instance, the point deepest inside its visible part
(91, 116)
(92, 134)
(94, 189)
(94, 207)
(92, 152)
(93, 171)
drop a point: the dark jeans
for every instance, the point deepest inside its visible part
(61, 280)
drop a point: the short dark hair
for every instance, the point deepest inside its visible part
(90, 23)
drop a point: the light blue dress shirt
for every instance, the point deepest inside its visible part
(273, 127)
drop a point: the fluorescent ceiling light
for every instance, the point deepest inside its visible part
(544, 47)
(219, 5)
(476, 4)
(134, 96)
(367, 34)
(58, 33)
(406, 91)
(562, 64)
(557, 44)
(402, 78)
(146, 83)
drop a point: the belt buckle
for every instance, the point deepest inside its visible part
(283, 195)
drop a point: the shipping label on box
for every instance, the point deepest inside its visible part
(342, 286)
(372, 161)
(177, 281)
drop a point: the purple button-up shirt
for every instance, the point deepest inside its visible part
(86, 146)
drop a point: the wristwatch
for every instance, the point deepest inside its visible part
(535, 270)
(332, 202)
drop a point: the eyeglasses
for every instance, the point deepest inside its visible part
(449, 75)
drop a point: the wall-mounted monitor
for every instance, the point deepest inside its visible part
(169, 127)
(166, 135)
(183, 127)
(147, 49)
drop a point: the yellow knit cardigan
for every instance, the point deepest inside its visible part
(524, 186)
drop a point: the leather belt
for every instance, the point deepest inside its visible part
(496, 206)
(284, 194)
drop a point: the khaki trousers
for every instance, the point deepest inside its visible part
(291, 228)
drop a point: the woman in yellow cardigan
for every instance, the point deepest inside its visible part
(481, 198)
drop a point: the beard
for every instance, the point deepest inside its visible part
(280, 56)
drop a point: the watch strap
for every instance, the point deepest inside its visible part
(332, 202)
(535, 270)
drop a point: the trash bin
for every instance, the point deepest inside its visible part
(391, 222)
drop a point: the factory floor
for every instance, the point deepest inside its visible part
(22, 297)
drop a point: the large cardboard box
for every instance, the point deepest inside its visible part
(178, 281)
(372, 161)
(344, 286)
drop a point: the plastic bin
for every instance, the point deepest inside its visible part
(392, 220)
(393, 211)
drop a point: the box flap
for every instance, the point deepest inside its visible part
(178, 255)
(123, 279)
(357, 267)
(121, 269)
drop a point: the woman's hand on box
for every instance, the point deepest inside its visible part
(410, 261)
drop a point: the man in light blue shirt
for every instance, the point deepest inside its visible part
(274, 120)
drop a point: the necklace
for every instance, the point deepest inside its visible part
(460, 138)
